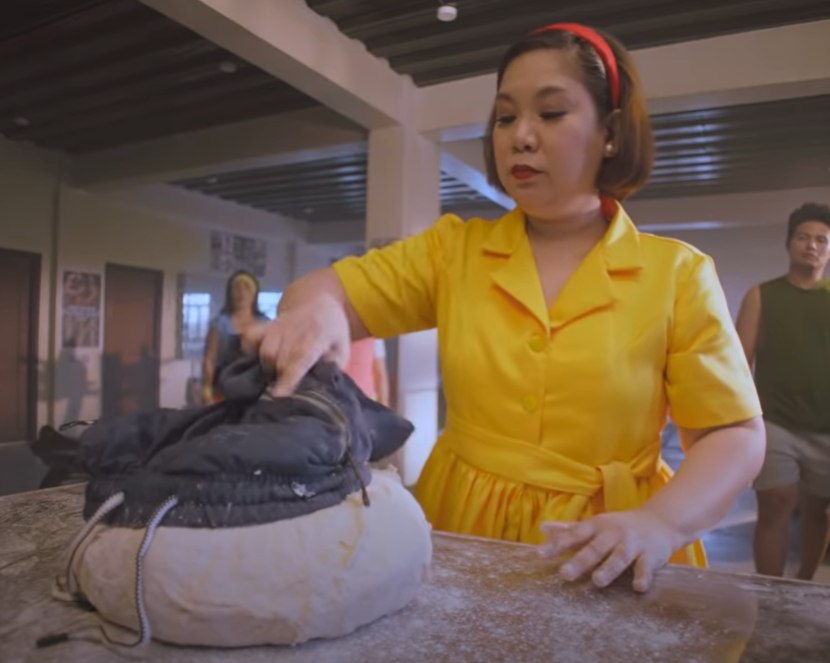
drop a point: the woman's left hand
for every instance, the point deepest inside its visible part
(607, 544)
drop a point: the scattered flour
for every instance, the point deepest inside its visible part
(486, 604)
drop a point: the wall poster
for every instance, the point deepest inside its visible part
(231, 252)
(81, 310)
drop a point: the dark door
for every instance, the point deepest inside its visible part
(19, 302)
(132, 330)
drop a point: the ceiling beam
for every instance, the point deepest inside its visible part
(304, 49)
(206, 211)
(36, 157)
(335, 232)
(289, 138)
(748, 67)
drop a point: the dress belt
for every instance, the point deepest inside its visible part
(526, 463)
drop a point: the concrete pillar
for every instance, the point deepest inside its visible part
(403, 198)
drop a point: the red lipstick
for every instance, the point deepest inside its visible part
(523, 172)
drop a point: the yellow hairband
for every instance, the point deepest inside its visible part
(247, 279)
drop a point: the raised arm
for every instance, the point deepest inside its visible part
(384, 293)
(322, 286)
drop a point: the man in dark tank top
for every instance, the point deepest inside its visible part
(784, 325)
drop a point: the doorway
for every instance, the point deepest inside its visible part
(131, 362)
(19, 302)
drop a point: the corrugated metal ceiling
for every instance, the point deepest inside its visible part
(320, 191)
(774, 145)
(84, 75)
(407, 33)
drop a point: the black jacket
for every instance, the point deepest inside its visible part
(250, 459)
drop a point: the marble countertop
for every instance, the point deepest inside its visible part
(486, 601)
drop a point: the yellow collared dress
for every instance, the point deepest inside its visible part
(555, 414)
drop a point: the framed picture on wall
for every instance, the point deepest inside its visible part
(230, 252)
(80, 309)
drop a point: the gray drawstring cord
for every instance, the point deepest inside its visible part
(68, 590)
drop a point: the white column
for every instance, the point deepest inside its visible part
(403, 198)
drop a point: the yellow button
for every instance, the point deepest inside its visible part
(530, 403)
(537, 343)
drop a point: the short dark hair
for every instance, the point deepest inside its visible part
(807, 212)
(628, 171)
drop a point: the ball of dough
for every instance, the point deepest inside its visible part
(322, 575)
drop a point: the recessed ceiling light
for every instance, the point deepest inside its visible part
(228, 67)
(447, 12)
(22, 121)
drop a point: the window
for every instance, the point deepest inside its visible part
(195, 322)
(268, 302)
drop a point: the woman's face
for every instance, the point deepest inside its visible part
(243, 294)
(548, 141)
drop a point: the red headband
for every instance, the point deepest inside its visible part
(602, 49)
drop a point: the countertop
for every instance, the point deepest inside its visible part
(486, 601)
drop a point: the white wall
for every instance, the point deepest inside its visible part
(744, 257)
(309, 257)
(94, 232)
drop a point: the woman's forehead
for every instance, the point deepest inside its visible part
(542, 72)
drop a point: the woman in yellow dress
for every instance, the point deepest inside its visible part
(566, 337)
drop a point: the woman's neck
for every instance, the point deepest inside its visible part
(581, 222)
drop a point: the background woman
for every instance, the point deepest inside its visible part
(238, 315)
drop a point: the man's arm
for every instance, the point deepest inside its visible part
(749, 322)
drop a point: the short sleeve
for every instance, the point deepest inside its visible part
(393, 290)
(708, 380)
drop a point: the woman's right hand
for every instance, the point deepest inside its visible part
(300, 337)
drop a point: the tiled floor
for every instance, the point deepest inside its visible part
(729, 546)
